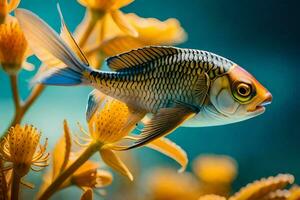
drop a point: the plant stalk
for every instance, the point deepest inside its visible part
(21, 107)
(15, 188)
(54, 186)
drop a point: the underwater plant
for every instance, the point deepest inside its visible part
(20, 151)
(168, 184)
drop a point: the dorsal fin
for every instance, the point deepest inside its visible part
(140, 56)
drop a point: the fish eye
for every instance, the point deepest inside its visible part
(243, 92)
(244, 89)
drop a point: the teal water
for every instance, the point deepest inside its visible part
(261, 36)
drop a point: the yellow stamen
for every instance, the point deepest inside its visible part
(106, 126)
(19, 147)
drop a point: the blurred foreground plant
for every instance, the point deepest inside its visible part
(214, 174)
(87, 176)
(166, 184)
(107, 126)
(14, 51)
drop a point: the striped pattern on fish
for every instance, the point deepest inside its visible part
(154, 77)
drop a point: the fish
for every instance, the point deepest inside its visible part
(176, 86)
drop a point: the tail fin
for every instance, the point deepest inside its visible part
(43, 39)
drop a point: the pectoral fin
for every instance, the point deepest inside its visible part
(94, 100)
(164, 122)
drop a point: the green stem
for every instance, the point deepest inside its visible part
(54, 186)
(15, 188)
(15, 91)
(35, 93)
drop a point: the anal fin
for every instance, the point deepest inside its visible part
(164, 122)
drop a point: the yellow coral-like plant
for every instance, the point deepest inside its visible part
(259, 189)
(294, 193)
(212, 197)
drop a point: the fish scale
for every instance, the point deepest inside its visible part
(156, 83)
(172, 83)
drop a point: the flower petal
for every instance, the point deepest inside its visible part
(215, 168)
(121, 3)
(104, 177)
(123, 24)
(120, 44)
(211, 197)
(112, 160)
(61, 152)
(87, 195)
(155, 32)
(13, 4)
(83, 2)
(294, 193)
(170, 149)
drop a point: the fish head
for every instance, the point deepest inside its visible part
(238, 96)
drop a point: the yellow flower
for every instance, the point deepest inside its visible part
(103, 14)
(7, 7)
(110, 125)
(211, 197)
(215, 169)
(259, 189)
(216, 173)
(87, 176)
(87, 195)
(168, 184)
(277, 195)
(151, 31)
(21, 148)
(294, 193)
(13, 47)
(101, 127)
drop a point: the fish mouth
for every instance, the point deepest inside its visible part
(259, 109)
(262, 106)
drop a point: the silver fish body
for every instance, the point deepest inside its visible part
(172, 75)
